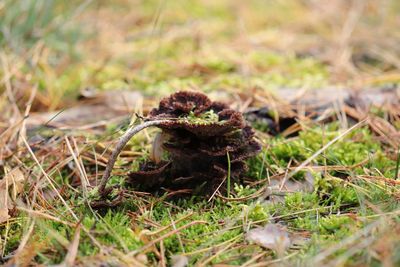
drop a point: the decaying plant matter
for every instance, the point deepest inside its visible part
(326, 105)
(199, 135)
(205, 142)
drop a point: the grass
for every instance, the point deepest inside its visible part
(231, 51)
(228, 177)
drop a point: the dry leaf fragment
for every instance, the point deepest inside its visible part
(10, 186)
(271, 236)
(92, 111)
(179, 261)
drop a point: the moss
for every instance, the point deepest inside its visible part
(333, 224)
(201, 45)
(14, 232)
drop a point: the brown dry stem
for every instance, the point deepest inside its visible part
(123, 140)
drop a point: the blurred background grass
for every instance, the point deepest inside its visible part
(157, 47)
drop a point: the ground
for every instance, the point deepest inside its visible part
(239, 52)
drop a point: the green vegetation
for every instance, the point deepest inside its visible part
(232, 51)
(208, 117)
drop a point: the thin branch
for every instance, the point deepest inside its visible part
(123, 140)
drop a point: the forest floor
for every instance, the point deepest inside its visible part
(76, 74)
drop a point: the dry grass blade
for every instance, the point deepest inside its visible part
(43, 215)
(396, 175)
(171, 225)
(21, 258)
(83, 176)
(73, 249)
(316, 154)
(347, 243)
(219, 252)
(155, 241)
(10, 186)
(49, 179)
(207, 249)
